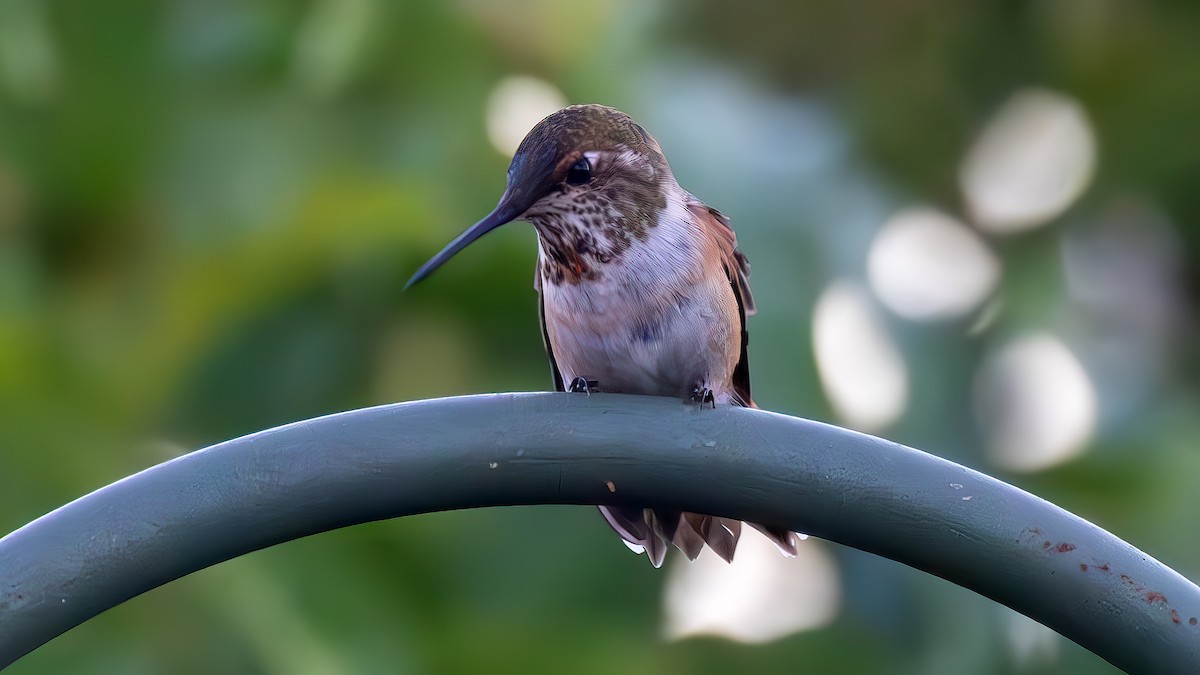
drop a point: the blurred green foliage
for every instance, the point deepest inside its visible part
(208, 211)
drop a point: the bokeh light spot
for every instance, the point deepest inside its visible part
(1032, 645)
(1032, 160)
(862, 371)
(925, 265)
(515, 105)
(759, 597)
(1036, 404)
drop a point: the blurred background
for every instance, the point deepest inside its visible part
(974, 229)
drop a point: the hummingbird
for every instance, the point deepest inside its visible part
(642, 289)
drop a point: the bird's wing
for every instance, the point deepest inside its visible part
(737, 268)
(554, 372)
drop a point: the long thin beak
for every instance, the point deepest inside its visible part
(508, 210)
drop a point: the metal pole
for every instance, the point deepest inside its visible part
(500, 449)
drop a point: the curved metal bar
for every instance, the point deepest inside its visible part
(500, 449)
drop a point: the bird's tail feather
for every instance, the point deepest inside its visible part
(654, 531)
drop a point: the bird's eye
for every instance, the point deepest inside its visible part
(580, 172)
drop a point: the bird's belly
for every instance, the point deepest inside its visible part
(668, 353)
(623, 364)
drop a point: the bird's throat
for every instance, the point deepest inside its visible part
(590, 237)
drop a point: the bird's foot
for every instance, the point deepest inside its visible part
(703, 395)
(583, 385)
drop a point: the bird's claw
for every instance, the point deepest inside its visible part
(583, 385)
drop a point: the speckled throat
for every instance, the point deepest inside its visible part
(582, 232)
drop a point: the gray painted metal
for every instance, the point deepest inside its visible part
(492, 450)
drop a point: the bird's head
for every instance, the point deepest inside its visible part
(593, 183)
